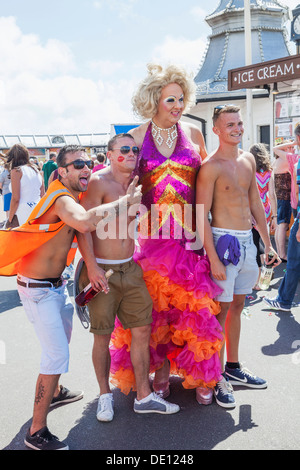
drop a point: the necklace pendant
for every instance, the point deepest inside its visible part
(174, 134)
(154, 132)
(159, 139)
(169, 142)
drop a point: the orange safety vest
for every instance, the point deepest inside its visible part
(20, 241)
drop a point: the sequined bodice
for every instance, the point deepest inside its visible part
(169, 183)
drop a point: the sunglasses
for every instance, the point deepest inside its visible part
(221, 106)
(80, 164)
(125, 149)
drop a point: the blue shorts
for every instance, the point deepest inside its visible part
(240, 279)
(284, 211)
(6, 201)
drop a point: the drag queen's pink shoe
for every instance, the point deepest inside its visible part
(162, 389)
(204, 395)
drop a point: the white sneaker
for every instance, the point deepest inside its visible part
(105, 410)
(155, 404)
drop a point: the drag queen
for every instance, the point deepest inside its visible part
(186, 336)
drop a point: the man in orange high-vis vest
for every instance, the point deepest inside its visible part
(41, 248)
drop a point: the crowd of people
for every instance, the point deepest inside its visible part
(173, 304)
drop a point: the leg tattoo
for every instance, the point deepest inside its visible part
(40, 393)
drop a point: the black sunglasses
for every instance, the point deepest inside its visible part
(221, 106)
(125, 149)
(80, 164)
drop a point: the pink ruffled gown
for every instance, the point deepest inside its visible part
(184, 325)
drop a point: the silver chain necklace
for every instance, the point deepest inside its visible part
(156, 133)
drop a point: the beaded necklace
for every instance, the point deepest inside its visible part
(156, 133)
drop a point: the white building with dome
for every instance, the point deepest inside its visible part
(226, 51)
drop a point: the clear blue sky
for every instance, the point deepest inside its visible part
(72, 66)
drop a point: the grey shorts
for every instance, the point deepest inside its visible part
(240, 279)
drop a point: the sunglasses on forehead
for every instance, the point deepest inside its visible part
(221, 106)
(80, 164)
(125, 149)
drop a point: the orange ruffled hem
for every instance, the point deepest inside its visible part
(164, 293)
(121, 338)
(124, 379)
(202, 350)
(190, 383)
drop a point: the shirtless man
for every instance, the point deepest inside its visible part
(126, 294)
(43, 293)
(226, 186)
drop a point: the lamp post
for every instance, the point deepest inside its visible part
(248, 60)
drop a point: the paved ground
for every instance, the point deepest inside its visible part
(262, 419)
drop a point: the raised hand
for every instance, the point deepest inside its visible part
(134, 192)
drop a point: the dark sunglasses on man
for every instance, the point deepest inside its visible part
(221, 106)
(125, 149)
(80, 164)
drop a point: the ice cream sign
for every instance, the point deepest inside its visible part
(251, 76)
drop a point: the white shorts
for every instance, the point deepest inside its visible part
(240, 279)
(50, 310)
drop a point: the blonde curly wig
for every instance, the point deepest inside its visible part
(147, 95)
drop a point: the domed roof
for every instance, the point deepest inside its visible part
(231, 5)
(225, 49)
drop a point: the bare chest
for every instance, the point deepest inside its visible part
(234, 179)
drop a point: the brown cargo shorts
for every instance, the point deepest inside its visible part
(128, 299)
